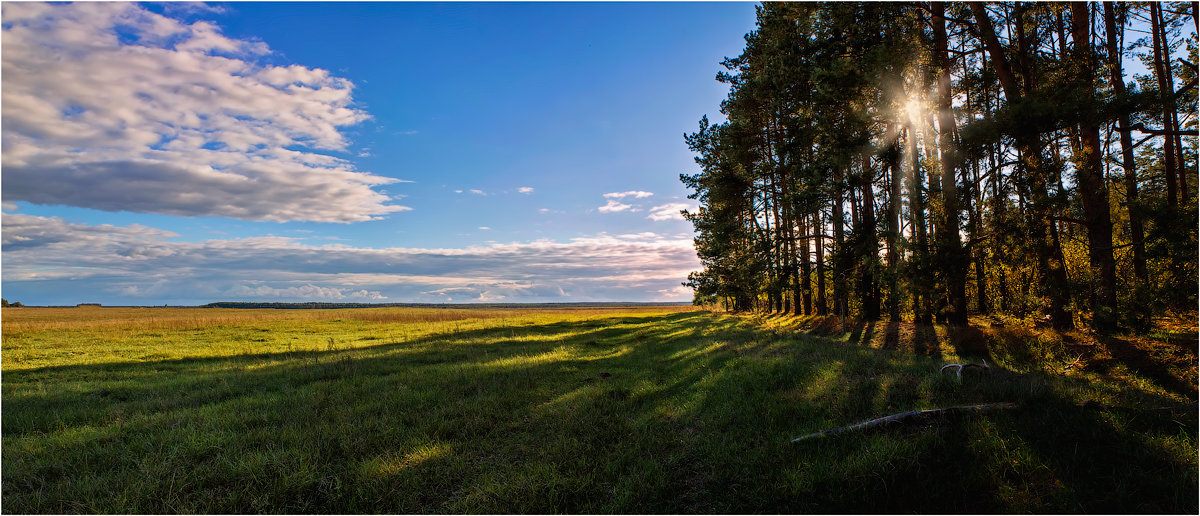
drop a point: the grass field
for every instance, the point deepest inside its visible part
(628, 410)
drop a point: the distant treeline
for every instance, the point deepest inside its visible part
(313, 306)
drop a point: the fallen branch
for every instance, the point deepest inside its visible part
(906, 415)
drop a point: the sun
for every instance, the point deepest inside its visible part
(915, 109)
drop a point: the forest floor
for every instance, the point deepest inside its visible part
(1167, 354)
(616, 410)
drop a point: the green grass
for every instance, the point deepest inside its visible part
(547, 411)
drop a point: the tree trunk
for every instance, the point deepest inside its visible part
(999, 220)
(839, 240)
(870, 288)
(1164, 86)
(822, 309)
(954, 265)
(805, 274)
(787, 238)
(892, 155)
(1173, 124)
(916, 212)
(1093, 191)
(1136, 229)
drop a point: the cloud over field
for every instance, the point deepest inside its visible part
(48, 254)
(670, 211)
(613, 207)
(113, 107)
(636, 194)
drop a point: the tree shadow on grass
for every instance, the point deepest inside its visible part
(862, 334)
(1143, 362)
(672, 413)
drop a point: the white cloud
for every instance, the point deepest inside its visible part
(670, 211)
(113, 107)
(636, 194)
(677, 293)
(50, 261)
(613, 206)
(525, 189)
(190, 8)
(513, 291)
(485, 228)
(305, 292)
(478, 192)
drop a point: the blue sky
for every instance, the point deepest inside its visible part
(387, 152)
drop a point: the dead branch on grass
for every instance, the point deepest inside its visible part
(907, 415)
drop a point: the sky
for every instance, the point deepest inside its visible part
(187, 153)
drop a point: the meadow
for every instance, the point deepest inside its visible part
(612, 410)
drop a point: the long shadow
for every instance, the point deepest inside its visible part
(925, 340)
(862, 334)
(969, 341)
(892, 337)
(1142, 362)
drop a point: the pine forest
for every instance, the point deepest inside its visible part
(928, 162)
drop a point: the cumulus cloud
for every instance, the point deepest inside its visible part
(669, 211)
(636, 194)
(113, 107)
(48, 260)
(478, 192)
(613, 207)
(525, 189)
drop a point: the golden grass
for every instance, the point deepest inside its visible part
(46, 337)
(167, 318)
